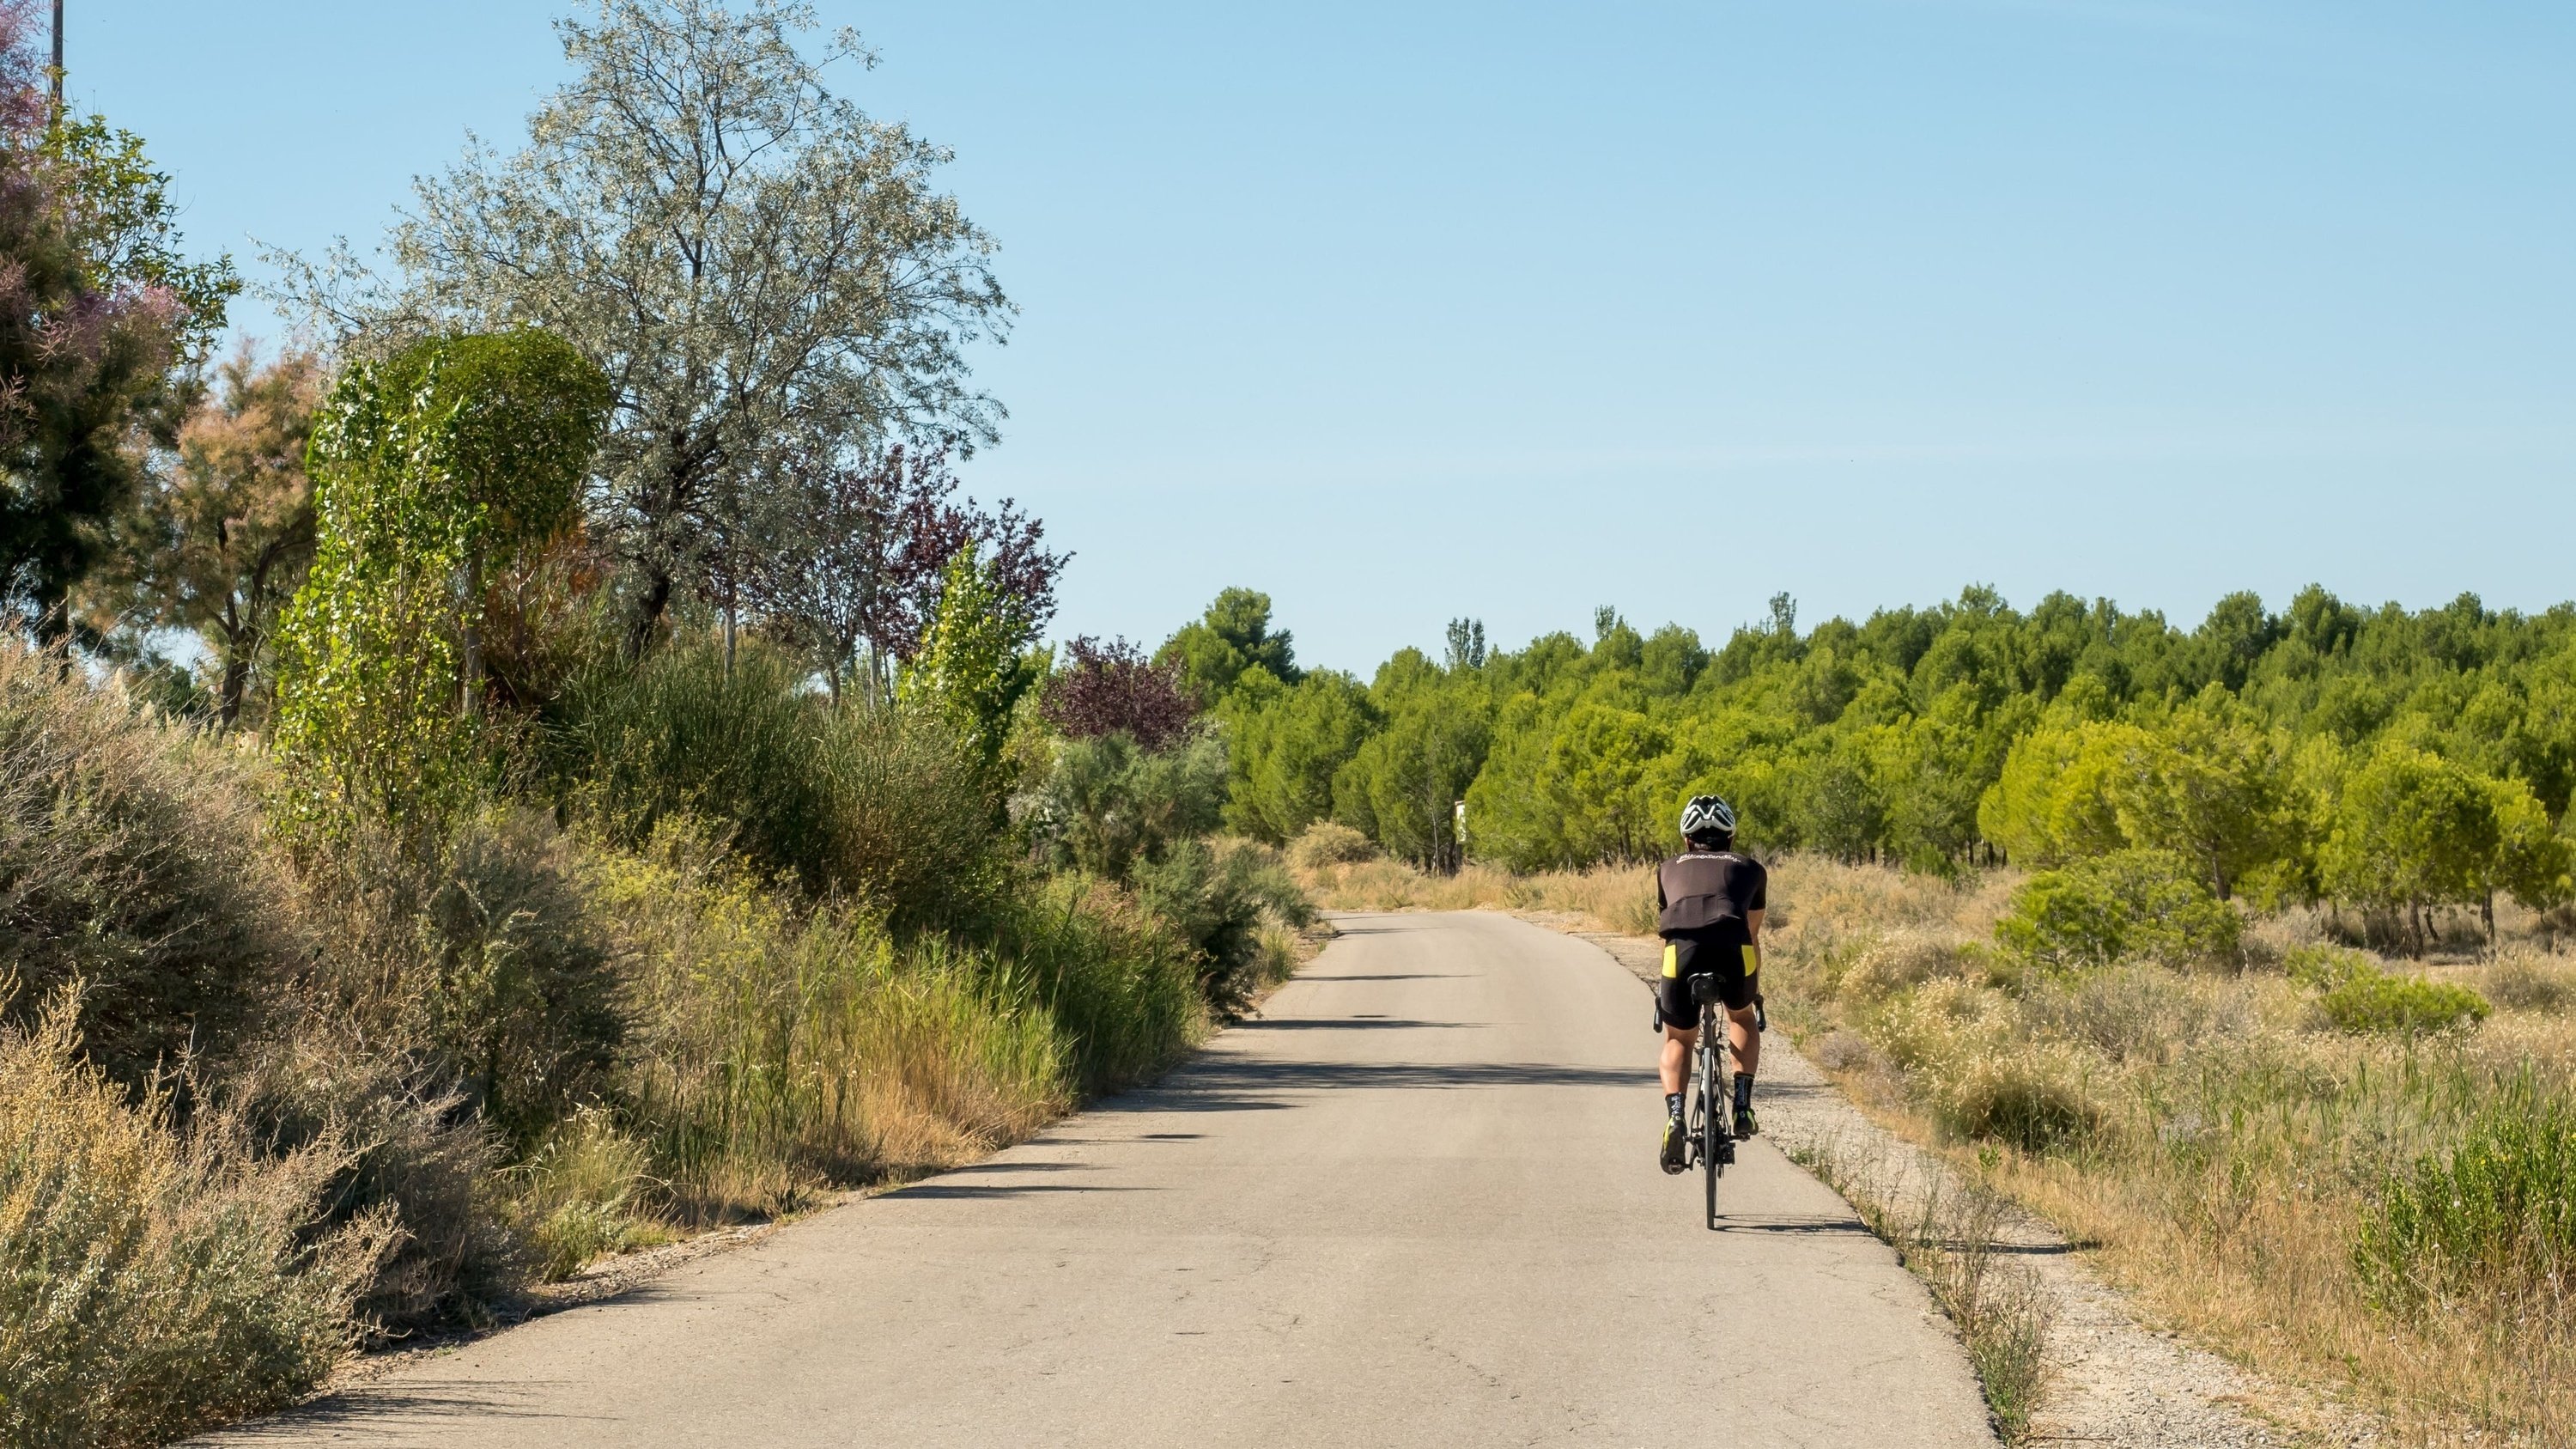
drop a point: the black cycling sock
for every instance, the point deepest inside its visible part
(1743, 1090)
(1673, 1103)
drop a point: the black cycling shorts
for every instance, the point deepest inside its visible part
(1734, 964)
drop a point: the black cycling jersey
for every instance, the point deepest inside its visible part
(1703, 904)
(1708, 894)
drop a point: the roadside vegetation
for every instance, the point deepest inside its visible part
(2238, 950)
(451, 831)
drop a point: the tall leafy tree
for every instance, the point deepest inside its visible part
(763, 270)
(1232, 636)
(101, 317)
(221, 535)
(852, 557)
(431, 470)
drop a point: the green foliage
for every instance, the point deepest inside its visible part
(1403, 785)
(2130, 903)
(1285, 745)
(429, 470)
(1233, 636)
(887, 806)
(2498, 1213)
(1218, 898)
(126, 227)
(2366, 1001)
(973, 669)
(1943, 737)
(506, 982)
(1107, 805)
(2326, 967)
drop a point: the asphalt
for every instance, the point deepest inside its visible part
(1413, 1202)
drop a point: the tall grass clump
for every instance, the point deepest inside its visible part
(2495, 1216)
(156, 1277)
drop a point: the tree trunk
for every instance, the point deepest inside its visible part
(2486, 909)
(648, 610)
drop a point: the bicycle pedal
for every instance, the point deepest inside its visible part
(1726, 1152)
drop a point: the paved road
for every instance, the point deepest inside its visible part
(1412, 1203)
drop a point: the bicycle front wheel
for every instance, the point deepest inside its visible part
(1716, 1134)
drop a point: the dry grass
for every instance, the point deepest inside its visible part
(1951, 1241)
(2221, 1142)
(155, 1278)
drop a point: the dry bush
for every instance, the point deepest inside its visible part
(155, 1279)
(132, 860)
(413, 1158)
(2226, 1147)
(1330, 843)
(2524, 981)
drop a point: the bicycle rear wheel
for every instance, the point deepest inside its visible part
(1716, 1132)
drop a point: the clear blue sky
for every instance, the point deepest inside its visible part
(1405, 311)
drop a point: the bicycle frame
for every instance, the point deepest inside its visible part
(1713, 1105)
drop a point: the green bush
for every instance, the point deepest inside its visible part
(2147, 904)
(883, 805)
(2378, 1002)
(486, 958)
(154, 1281)
(1108, 804)
(131, 860)
(2498, 1213)
(1219, 897)
(2322, 968)
(1118, 982)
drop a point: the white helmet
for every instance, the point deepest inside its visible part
(1707, 815)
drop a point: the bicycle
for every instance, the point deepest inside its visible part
(1712, 1107)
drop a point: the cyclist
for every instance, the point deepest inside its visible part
(1708, 903)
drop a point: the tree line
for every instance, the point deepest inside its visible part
(2386, 759)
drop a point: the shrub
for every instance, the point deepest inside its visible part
(2323, 968)
(581, 1194)
(775, 1047)
(486, 957)
(1329, 842)
(2521, 983)
(1896, 963)
(130, 860)
(1218, 898)
(882, 804)
(1108, 804)
(2034, 1098)
(1115, 978)
(2378, 1002)
(153, 1280)
(2143, 903)
(411, 1155)
(2498, 1213)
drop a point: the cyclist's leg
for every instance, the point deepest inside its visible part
(1743, 1033)
(1680, 1017)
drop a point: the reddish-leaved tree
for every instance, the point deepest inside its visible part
(1112, 686)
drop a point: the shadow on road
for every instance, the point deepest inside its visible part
(1350, 1023)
